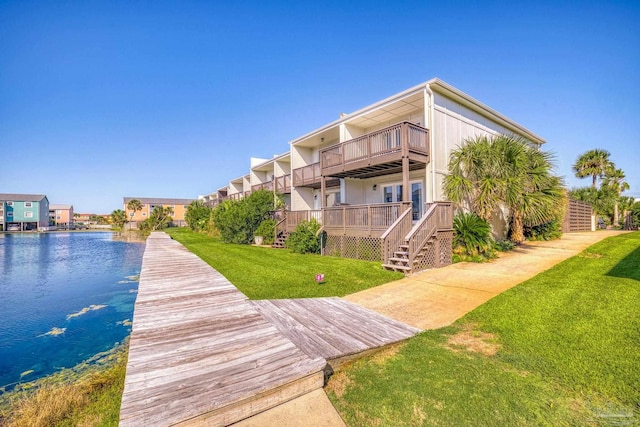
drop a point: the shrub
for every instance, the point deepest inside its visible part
(548, 231)
(197, 215)
(306, 238)
(472, 236)
(504, 245)
(266, 230)
(237, 220)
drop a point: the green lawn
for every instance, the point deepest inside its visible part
(560, 349)
(266, 273)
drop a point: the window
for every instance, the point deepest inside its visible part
(28, 214)
(185, 206)
(10, 214)
(58, 211)
(144, 214)
(58, 217)
(28, 204)
(9, 203)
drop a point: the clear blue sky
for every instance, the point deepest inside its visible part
(100, 100)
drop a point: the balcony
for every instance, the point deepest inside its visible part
(309, 176)
(362, 220)
(267, 186)
(377, 153)
(283, 184)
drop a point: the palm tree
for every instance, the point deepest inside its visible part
(119, 218)
(614, 179)
(593, 163)
(486, 173)
(134, 206)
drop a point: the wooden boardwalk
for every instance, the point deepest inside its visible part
(201, 353)
(332, 328)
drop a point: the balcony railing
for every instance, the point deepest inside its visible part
(307, 176)
(377, 153)
(283, 184)
(365, 220)
(268, 186)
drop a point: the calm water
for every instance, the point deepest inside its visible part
(63, 298)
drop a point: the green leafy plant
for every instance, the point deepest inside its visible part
(504, 245)
(472, 237)
(237, 220)
(548, 231)
(306, 238)
(266, 230)
(197, 215)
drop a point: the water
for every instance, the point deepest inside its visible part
(64, 297)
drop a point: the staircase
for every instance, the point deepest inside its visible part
(280, 234)
(425, 245)
(280, 239)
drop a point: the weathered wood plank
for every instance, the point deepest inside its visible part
(199, 350)
(332, 328)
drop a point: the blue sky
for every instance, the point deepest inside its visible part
(100, 100)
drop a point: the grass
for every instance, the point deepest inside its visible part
(266, 273)
(68, 398)
(562, 348)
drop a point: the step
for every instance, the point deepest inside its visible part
(405, 260)
(400, 254)
(397, 267)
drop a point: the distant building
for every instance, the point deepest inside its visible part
(61, 216)
(179, 207)
(24, 212)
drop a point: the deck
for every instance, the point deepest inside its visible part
(201, 353)
(332, 328)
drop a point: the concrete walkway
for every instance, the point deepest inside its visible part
(436, 298)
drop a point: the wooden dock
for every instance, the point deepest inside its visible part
(332, 328)
(201, 353)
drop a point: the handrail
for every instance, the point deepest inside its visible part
(279, 227)
(392, 238)
(438, 216)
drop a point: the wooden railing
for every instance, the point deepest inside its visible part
(306, 175)
(283, 184)
(268, 186)
(370, 220)
(395, 235)
(439, 216)
(399, 138)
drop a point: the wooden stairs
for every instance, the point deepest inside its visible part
(400, 261)
(280, 239)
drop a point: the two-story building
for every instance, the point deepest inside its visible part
(61, 215)
(24, 212)
(373, 177)
(178, 206)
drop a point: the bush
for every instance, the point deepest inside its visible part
(197, 215)
(472, 237)
(237, 220)
(266, 230)
(548, 231)
(504, 245)
(306, 238)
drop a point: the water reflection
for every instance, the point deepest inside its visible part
(60, 301)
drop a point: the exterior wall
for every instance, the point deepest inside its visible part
(61, 215)
(147, 208)
(34, 213)
(453, 123)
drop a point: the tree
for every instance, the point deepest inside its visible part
(134, 206)
(159, 218)
(119, 218)
(593, 163)
(614, 179)
(486, 173)
(197, 215)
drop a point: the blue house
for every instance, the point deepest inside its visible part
(24, 212)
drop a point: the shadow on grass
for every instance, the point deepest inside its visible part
(628, 267)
